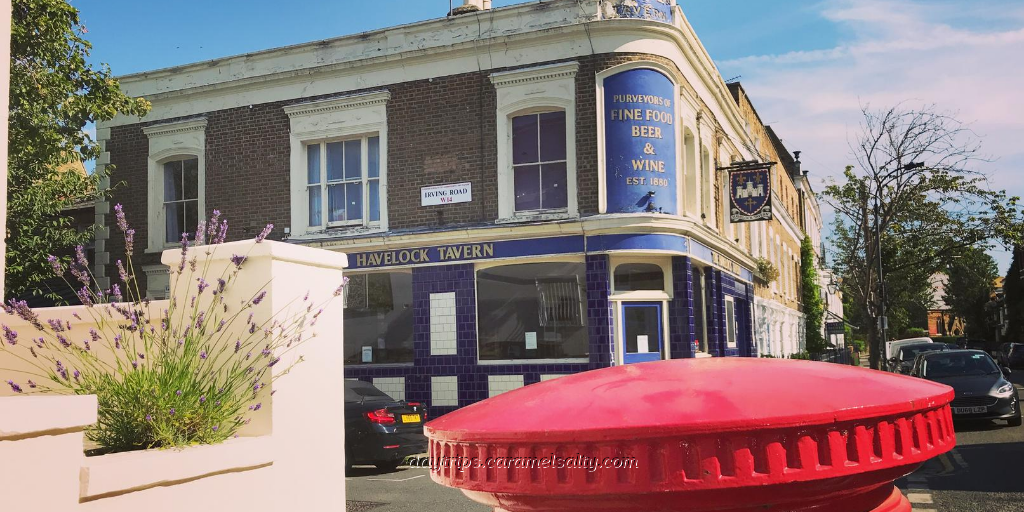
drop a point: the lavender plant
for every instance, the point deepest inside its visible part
(188, 373)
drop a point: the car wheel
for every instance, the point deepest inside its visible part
(389, 465)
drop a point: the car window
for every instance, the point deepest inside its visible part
(909, 353)
(953, 364)
(359, 391)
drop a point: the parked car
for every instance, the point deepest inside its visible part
(903, 362)
(982, 391)
(1015, 356)
(1002, 353)
(891, 364)
(380, 430)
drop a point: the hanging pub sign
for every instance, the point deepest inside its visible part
(750, 192)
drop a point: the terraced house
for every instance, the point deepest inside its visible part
(524, 192)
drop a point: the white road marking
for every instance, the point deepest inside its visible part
(919, 498)
(395, 479)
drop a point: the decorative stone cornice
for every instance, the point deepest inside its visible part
(190, 125)
(366, 99)
(535, 74)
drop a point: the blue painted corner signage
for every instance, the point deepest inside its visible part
(750, 192)
(640, 142)
(655, 10)
(572, 244)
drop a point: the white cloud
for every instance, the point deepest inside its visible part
(897, 50)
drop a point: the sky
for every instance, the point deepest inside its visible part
(809, 67)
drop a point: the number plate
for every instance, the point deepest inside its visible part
(415, 418)
(970, 410)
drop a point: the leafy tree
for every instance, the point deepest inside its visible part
(1013, 293)
(54, 94)
(971, 275)
(814, 308)
(914, 180)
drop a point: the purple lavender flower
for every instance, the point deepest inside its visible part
(55, 263)
(86, 343)
(149, 417)
(263, 234)
(273, 362)
(31, 384)
(306, 297)
(200, 237)
(221, 325)
(115, 292)
(178, 392)
(122, 223)
(84, 296)
(80, 266)
(249, 370)
(135, 365)
(11, 336)
(56, 325)
(217, 403)
(184, 252)
(202, 354)
(94, 335)
(221, 284)
(122, 272)
(202, 284)
(341, 287)
(141, 355)
(259, 298)
(77, 374)
(223, 234)
(200, 319)
(76, 315)
(266, 351)
(238, 345)
(238, 260)
(117, 341)
(252, 328)
(129, 241)
(14, 387)
(257, 407)
(215, 428)
(63, 341)
(21, 309)
(172, 411)
(248, 355)
(212, 226)
(202, 399)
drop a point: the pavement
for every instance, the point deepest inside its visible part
(405, 490)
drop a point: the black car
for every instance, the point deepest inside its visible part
(982, 391)
(905, 355)
(1015, 357)
(380, 430)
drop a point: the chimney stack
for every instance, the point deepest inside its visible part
(469, 6)
(797, 164)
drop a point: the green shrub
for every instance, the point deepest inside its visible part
(177, 378)
(801, 355)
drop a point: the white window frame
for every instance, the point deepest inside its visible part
(168, 142)
(364, 182)
(535, 90)
(730, 310)
(349, 117)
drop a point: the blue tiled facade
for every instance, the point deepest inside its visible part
(472, 377)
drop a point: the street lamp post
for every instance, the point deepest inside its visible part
(883, 321)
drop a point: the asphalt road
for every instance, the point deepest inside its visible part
(984, 473)
(405, 490)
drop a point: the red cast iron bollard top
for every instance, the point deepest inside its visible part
(727, 434)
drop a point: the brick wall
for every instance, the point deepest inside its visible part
(439, 131)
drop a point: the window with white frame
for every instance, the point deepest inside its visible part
(181, 198)
(339, 165)
(539, 162)
(536, 130)
(343, 182)
(176, 177)
(730, 321)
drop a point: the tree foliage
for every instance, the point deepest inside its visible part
(54, 94)
(1013, 293)
(924, 213)
(814, 308)
(971, 276)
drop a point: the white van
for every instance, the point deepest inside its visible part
(892, 346)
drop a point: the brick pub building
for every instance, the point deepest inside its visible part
(523, 192)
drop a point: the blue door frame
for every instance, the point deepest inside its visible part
(632, 315)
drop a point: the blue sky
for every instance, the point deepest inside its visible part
(808, 66)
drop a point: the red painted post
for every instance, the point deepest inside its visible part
(728, 435)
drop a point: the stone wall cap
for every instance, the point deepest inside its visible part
(278, 251)
(36, 415)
